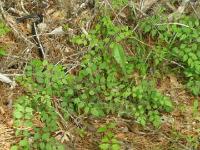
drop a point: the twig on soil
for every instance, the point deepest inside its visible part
(39, 44)
(146, 5)
(173, 23)
(120, 12)
(196, 13)
(141, 42)
(13, 75)
(174, 62)
(15, 11)
(68, 71)
(10, 21)
(7, 131)
(6, 139)
(108, 3)
(16, 57)
(5, 79)
(176, 15)
(172, 140)
(78, 10)
(168, 4)
(23, 8)
(71, 116)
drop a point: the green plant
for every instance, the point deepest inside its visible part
(38, 106)
(195, 107)
(108, 140)
(81, 132)
(115, 83)
(25, 115)
(119, 3)
(179, 42)
(104, 84)
(3, 29)
(192, 141)
(2, 52)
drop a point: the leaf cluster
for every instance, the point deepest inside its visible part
(104, 85)
(176, 42)
(108, 140)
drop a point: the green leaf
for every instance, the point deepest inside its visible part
(28, 110)
(49, 146)
(45, 62)
(2, 52)
(185, 57)
(112, 125)
(81, 104)
(102, 129)
(105, 139)
(119, 55)
(14, 147)
(37, 136)
(86, 109)
(42, 145)
(24, 143)
(61, 147)
(168, 103)
(147, 28)
(196, 23)
(91, 92)
(115, 141)
(195, 105)
(104, 146)
(45, 136)
(3, 29)
(110, 134)
(115, 147)
(18, 114)
(95, 112)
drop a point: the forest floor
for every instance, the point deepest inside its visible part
(180, 129)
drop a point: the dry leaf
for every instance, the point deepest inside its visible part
(57, 31)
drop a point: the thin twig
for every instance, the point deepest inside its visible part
(13, 75)
(141, 42)
(173, 23)
(10, 23)
(146, 5)
(23, 8)
(113, 11)
(174, 62)
(171, 61)
(39, 44)
(120, 12)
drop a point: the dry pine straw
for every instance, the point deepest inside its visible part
(6, 137)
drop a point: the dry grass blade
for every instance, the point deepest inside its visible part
(6, 137)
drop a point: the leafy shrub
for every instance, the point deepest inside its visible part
(103, 85)
(41, 81)
(107, 69)
(180, 43)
